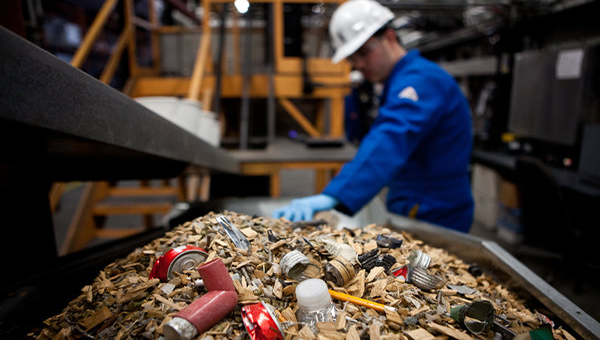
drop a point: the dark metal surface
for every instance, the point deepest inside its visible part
(543, 106)
(285, 150)
(506, 166)
(83, 128)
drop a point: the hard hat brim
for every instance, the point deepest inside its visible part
(352, 46)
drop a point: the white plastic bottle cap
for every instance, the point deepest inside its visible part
(312, 294)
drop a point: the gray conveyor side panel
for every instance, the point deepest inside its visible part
(471, 247)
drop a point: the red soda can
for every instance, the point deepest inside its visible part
(261, 323)
(177, 260)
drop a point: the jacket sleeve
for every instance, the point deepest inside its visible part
(403, 122)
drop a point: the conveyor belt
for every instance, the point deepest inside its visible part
(75, 122)
(487, 254)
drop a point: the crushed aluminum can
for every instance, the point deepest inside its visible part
(462, 289)
(338, 249)
(297, 266)
(373, 259)
(421, 278)
(339, 271)
(388, 242)
(544, 319)
(261, 323)
(418, 258)
(177, 260)
(418, 276)
(236, 236)
(402, 273)
(476, 316)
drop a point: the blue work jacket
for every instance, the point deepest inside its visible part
(419, 146)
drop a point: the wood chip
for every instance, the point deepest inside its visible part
(167, 302)
(352, 333)
(97, 318)
(340, 322)
(326, 327)
(374, 273)
(375, 331)
(393, 316)
(249, 233)
(89, 293)
(306, 333)
(370, 246)
(450, 331)
(419, 334)
(288, 314)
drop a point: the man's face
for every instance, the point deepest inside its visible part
(371, 60)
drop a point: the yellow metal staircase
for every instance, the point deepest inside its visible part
(285, 85)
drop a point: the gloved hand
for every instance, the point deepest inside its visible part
(302, 209)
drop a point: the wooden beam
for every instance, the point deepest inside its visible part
(299, 117)
(155, 40)
(287, 86)
(115, 56)
(117, 233)
(82, 228)
(199, 67)
(105, 209)
(129, 14)
(275, 183)
(265, 168)
(56, 192)
(92, 33)
(323, 172)
(146, 191)
(336, 117)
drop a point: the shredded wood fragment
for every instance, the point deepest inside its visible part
(420, 334)
(123, 302)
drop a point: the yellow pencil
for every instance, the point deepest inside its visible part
(361, 302)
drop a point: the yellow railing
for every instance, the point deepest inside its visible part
(92, 34)
(125, 40)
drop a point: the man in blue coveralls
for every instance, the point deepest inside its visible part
(419, 145)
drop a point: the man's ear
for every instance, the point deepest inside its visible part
(390, 34)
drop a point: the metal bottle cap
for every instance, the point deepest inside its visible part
(297, 266)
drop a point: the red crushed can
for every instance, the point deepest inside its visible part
(261, 323)
(401, 273)
(177, 260)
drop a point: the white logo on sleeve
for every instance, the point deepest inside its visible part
(409, 93)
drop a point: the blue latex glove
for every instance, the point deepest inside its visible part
(302, 209)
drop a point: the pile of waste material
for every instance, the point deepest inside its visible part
(385, 285)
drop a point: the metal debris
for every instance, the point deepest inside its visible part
(123, 303)
(373, 259)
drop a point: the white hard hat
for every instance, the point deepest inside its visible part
(353, 23)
